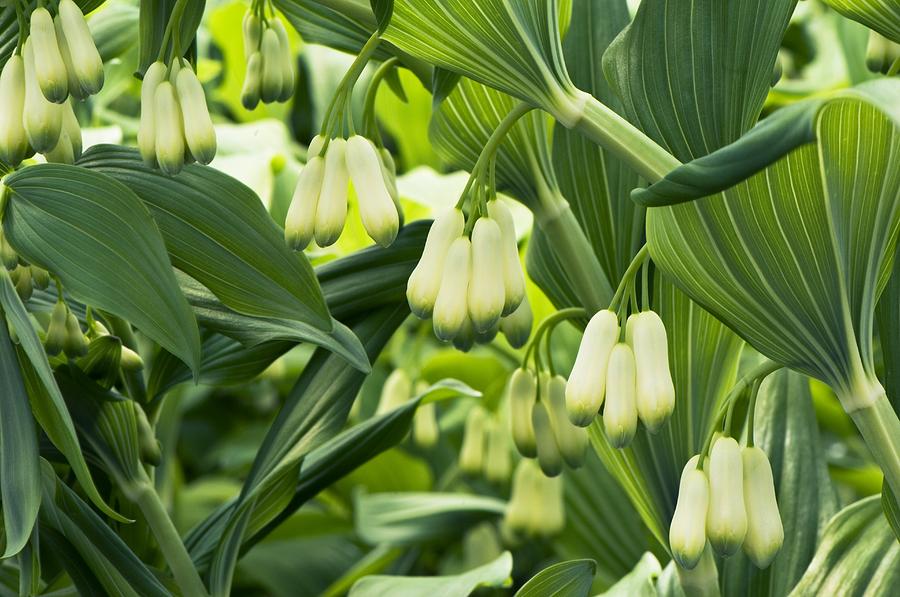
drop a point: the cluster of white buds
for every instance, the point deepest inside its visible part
(536, 505)
(631, 376)
(270, 69)
(395, 392)
(485, 447)
(729, 500)
(319, 205)
(57, 62)
(541, 428)
(175, 124)
(472, 287)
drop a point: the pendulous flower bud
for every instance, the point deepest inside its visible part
(726, 523)
(13, 139)
(765, 533)
(513, 278)
(299, 225)
(286, 62)
(75, 344)
(451, 309)
(68, 148)
(586, 387)
(147, 443)
(75, 90)
(620, 412)
(396, 390)
(549, 512)
(252, 29)
(331, 212)
(40, 277)
(646, 334)
(271, 76)
(548, 455)
(42, 118)
(49, 67)
(130, 360)
(571, 439)
(516, 326)
(22, 277)
(464, 340)
(518, 512)
(8, 255)
(199, 132)
(471, 454)
(315, 147)
(425, 280)
(425, 430)
(522, 391)
(486, 290)
(169, 130)
(250, 92)
(497, 463)
(85, 58)
(687, 533)
(155, 74)
(56, 330)
(376, 208)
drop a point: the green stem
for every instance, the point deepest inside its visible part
(170, 543)
(612, 132)
(751, 415)
(548, 324)
(880, 428)
(642, 255)
(345, 87)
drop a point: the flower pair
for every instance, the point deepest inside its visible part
(631, 376)
(729, 500)
(396, 391)
(536, 506)
(485, 447)
(319, 205)
(471, 285)
(270, 69)
(175, 124)
(541, 427)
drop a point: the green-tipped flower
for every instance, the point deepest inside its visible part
(299, 226)
(56, 330)
(396, 390)
(7, 254)
(75, 344)
(40, 277)
(687, 533)
(376, 208)
(881, 53)
(331, 211)
(252, 29)
(451, 309)
(620, 412)
(86, 59)
(726, 523)
(471, 454)
(42, 118)
(571, 439)
(586, 387)
(68, 148)
(516, 326)
(130, 360)
(522, 391)
(646, 334)
(22, 279)
(498, 464)
(513, 278)
(13, 139)
(765, 533)
(425, 430)
(250, 92)
(75, 90)
(518, 516)
(548, 455)
(425, 281)
(271, 77)
(389, 170)
(170, 147)
(486, 290)
(156, 74)
(49, 67)
(199, 132)
(286, 62)
(464, 339)
(147, 442)
(549, 513)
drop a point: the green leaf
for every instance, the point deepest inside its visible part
(47, 404)
(891, 510)
(81, 225)
(887, 319)
(565, 579)
(858, 555)
(382, 10)
(153, 19)
(217, 231)
(493, 574)
(405, 518)
(83, 578)
(881, 15)
(443, 82)
(20, 481)
(794, 258)
(640, 582)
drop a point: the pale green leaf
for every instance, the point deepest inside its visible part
(881, 15)
(566, 579)
(640, 582)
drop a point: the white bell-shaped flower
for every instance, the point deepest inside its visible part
(522, 390)
(252, 88)
(85, 59)
(271, 77)
(42, 118)
(620, 412)
(170, 147)
(472, 451)
(586, 386)
(13, 138)
(397, 389)
(571, 439)
(425, 280)
(486, 288)
(451, 308)
(646, 334)
(687, 533)
(516, 326)
(376, 208)
(49, 67)
(299, 225)
(331, 212)
(199, 132)
(513, 278)
(726, 523)
(155, 74)
(765, 533)
(548, 455)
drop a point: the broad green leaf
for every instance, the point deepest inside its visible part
(858, 555)
(887, 318)
(493, 574)
(787, 431)
(217, 231)
(81, 226)
(891, 510)
(115, 30)
(64, 553)
(640, 582)
(405, 518)
(881, 15)
(153, 19)
(382, 10)
(565, 579)
(47, 404)
(20, 481)
(794, 258)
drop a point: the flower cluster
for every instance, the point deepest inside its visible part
(175, 124)
(270, 69)
(396, 391)
(24, 277)
(536, 507)
(631, 376)
(58, 61)
(319, 205)
(470, 282)
(729, 500)
(485, 447)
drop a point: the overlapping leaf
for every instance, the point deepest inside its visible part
(881, 15)
(154, 17)
(566, 579)
(493, 574)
